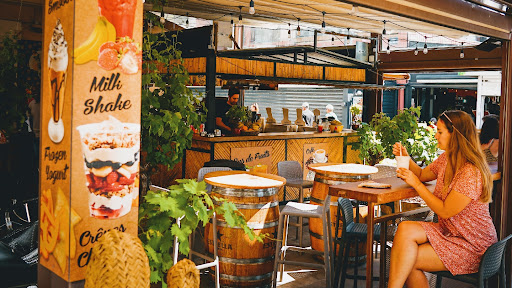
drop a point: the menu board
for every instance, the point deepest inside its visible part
(90, 129)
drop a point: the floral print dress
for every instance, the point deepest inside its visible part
(461, 240)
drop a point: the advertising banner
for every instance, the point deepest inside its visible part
(314, 153)
(90, 130)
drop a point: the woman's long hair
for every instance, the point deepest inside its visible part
(464, 146)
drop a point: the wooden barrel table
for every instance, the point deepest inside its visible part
(246, 263)
(327, 174)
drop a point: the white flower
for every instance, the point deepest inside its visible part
(411, 141)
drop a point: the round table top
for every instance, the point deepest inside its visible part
(244, 180)
(343, 169)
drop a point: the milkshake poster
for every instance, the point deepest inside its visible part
(90, 151)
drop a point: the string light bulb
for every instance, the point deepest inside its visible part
(332, 39)
(384, 30)
(462, 51)
(162, 18)
(298, 26)
(251, 7)
(232, 22)
(240, 16)
(416, 50)
(348, 33)
(387, 50)
(323, 22)
(425, 48)
(289, 31)
(186, 22)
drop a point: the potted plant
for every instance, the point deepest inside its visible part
(355, 111)
(168, 107)
(376, 139)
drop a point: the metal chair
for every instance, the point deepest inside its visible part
(351, 233)
(310, 211)
(213, 262)
(492, 263)
(292, 172)
(205, 170)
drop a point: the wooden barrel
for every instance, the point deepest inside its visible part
(246, 263)
(323, 179)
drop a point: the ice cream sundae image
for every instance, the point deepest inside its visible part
(111, 155)
(57, 66)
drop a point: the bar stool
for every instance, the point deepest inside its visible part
(292, 172)
(310, 211)
(212, 261)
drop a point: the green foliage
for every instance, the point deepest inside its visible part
(370, 148)
(13, 99)
(189, 202)
(168, 105)
(355, 110)
(377, 139)
(237, 114)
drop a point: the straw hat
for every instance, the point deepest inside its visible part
(118, 260)
(183, 275)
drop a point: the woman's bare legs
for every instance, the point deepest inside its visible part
(410, 256)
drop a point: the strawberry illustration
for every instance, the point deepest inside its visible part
(109, 45)
(108, 59)
(129, 62)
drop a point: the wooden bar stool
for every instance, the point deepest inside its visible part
(292, 172)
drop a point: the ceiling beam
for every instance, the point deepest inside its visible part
(456, 14)
(440, 60)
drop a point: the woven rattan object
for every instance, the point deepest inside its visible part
(183, 275)
(118, 260)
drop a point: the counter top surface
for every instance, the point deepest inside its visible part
(275, 135)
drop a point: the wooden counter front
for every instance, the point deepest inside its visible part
(284, 146)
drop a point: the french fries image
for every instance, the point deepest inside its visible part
(57, 233)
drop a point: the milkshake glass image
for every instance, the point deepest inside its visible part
(57, 66)
(111, 161)
(121, 13)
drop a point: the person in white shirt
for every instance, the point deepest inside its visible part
(329, 109)
(307, 115)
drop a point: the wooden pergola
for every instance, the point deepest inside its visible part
(451, 18)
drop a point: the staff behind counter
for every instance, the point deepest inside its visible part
(222, 108)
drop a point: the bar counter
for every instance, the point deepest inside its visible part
(276, 147)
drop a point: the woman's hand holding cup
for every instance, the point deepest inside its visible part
(396, 150)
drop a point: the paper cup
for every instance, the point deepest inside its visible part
(402, 162)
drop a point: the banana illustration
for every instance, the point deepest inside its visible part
(103, 32)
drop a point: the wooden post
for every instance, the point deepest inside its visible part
(211, 66)
(503, 226)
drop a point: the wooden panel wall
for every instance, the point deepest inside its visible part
(223, 150)
(244, 67)
(195, 161)
(345, 74)
(195, 65)
(352, 155)
(299, 71)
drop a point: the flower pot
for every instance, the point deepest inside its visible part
(355, 126)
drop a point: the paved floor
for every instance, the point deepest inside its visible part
(302, 277)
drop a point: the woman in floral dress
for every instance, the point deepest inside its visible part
(460, 200)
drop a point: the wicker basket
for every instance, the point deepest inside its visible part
(183, 275)
(118, 260)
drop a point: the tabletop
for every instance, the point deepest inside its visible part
(244, 180)
(399, 190)
(343, 168)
